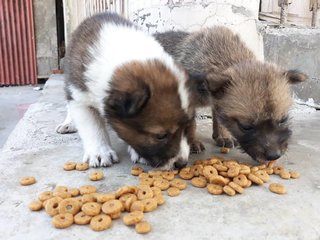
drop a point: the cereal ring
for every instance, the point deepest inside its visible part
(198, 162)
(135, 170)
(96, 176)
(277, 169)
(35, 205)
(186, 173)
(144, 175)
(224, 150)
(236, 187)
(137, 206)
(112, 207)
(105, 197)
(146, 181)
(233, 171)
(214, 160)
(160, 199)
(133, 218)
(144, 192)
(223, 174)
(231, 163)
(69, 205)
(217, 180)
(199, 182)
(68, 166)
(244, 169)
(277, 188)
(197, 170)
(81, 218)
(143, 227)
(263, 175)
(52, 206)
(284, 174)
(254, 169)
(129, 201)
(262, 166)
(87, 189)
(294, 174)
(154, 173)
(61, 189)
(220, 167)
(82, 166)
(156, 191)
(255, 179)
(45, 196)
(241, 180)
(229, 190)
(168, 175)
(62, 194)
(62, 220)
(100, 222)
(175, 172)
(178, 183)
(91, 208)
(92, 197)
(162, 184)
(271, 164)
(248, 184)
(126, 196)
(74, 192)
(150, 204)
(209, 171)
(25, 181)
(214, 189)
(115, 215)
(269, 170)
(173, 192)
(125, 189)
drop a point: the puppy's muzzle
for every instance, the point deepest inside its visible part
(180, 163)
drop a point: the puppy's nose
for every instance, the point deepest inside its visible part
(180, 163)
(273, 155)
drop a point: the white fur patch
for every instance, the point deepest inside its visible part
(67, 126)
(135, 157)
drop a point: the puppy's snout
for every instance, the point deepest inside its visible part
(273, 155)
(180, 163)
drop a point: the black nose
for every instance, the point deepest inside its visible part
(180, 164)
(274, 155)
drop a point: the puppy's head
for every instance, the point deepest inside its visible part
(253, 102)
(148, 106)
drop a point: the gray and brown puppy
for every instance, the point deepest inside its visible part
(250, 99)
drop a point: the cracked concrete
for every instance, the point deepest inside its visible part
(35, 149)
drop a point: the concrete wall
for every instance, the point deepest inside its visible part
(296, 48)
(46, 36)
(190, 15)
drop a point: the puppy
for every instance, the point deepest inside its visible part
(118, 75)
(250, 98)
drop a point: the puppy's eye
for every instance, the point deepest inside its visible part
(283, 120)
(245, 127)
(162, 136)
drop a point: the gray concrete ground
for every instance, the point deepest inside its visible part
(35, 149)
(14, 102)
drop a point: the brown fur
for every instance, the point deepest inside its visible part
(250, 99)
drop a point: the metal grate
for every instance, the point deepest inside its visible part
(17, 43)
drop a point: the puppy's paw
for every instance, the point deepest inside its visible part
(197, 147)
(65, 128)
(226, 142)
(135, 157)
(101, 158)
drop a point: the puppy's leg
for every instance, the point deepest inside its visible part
(221, 135)
(96, 142)
(195, 145)
(67, 126)
(134, 156)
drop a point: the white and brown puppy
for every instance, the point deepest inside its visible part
(118, 75)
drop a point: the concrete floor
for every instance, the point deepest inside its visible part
(14, 102)
(35, 149)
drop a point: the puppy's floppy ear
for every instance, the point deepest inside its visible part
(127, 100)
(295, 76)
(217, 83)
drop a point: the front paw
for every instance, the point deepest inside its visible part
(100, 158)
(65, 128)
(226, 142)
(197, 147)
(135, 157)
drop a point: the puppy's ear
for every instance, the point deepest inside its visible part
(217, 83)
(295, 76)
(127, 100)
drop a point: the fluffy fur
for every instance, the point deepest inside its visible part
(250, 99)
(118, 75)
